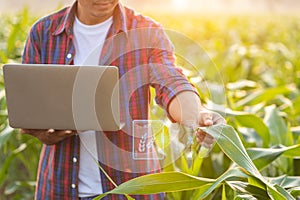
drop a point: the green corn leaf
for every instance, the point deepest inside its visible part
(252, 121)
(161, 182)
(198, 160)
(296, 131)
(245, 197)
(7, 162)
(231, 173)
(264, 156)
(242, 84)
(295, 191)
(277, 195)
(286, 181)
(272, 191)
(246, 188)
(100, 196)
(230, 143)
(224, 192)
(277, 126)
(264, 95)
(129, 197)
(296, 104)
(5, 135)
(105, 194)
(285, 193)
(256, 182)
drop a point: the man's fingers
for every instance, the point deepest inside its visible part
(61, 133)
(205, 139)
(206, 118)
(201, 136)
(50, 130)
(49, 136)
(70, 132)
(218, 119)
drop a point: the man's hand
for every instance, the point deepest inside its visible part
(49, 136)
(208, 118)
(187, 110)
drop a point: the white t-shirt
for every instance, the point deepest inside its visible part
(88, 40)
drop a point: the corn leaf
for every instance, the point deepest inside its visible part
(252, 121)
(231, 173)
(264, 156)
(5, 166)
(5, 135)
(264, 95)
(223, 192)
(246, 188)
(277, 126)
(161, 182)
(286, 181)
(230, 143)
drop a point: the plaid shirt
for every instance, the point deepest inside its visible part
(144, 56)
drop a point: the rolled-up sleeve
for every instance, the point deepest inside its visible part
(167, 79)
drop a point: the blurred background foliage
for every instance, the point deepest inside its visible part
(19, 153)
(249, 71)
(257, 59)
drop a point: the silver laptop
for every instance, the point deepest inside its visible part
(62, 97)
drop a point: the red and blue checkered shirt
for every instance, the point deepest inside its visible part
(139, 47)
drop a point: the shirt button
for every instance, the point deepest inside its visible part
(69, 56)
(74, 160)
(73, 186)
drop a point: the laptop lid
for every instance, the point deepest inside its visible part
(62, 97)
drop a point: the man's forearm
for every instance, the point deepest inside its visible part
(185, 108)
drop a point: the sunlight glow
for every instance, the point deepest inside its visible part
(180, 4)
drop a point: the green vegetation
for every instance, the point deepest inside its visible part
(19, 153)
(250, 65)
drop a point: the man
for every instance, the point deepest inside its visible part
(140, 49)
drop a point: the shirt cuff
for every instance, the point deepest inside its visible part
(171, 92)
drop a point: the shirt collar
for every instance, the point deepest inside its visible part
(119, 20)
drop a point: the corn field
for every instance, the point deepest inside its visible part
(246, 67)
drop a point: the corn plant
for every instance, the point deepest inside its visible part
(243, 177)
(19, 153)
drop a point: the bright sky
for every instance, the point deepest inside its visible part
(216, 6)
(196, 6)
(180, 4)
